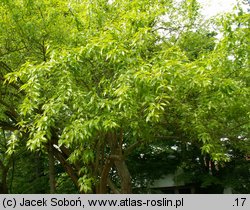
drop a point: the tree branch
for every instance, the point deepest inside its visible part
(104, 176)
(132, 147)
(6, 126)
(68, 168)
(112, 186)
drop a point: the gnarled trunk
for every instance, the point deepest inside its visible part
(116, 159)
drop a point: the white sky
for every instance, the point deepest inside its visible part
(213, 7)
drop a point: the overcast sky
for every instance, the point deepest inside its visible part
(213, 7)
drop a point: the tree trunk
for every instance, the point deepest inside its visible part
(123, 172)
(52, 177)
(116, 158)
(3, 184)
(105, 176)
(69, 169)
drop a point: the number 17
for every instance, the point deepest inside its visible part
(240, 201)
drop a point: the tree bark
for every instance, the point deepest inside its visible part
(113, 187)
(123, 172)
(52, 176)
(104, 176)
(69, 169)
(116, 158)
(3, 183)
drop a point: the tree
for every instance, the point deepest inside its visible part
(31, 25)
(5, 163)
